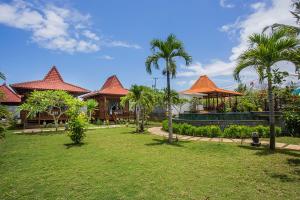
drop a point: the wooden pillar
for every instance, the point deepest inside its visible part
(229, 101)
(105, 114)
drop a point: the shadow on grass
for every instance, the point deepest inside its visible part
(44, 133)
(265, 151)
(282, 177)
(157, 142)
(71, 145)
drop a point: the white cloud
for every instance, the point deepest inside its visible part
(106, 57)
(261, 16)
(90, 35)
(225, 4)
(123, 44)
(53, 27)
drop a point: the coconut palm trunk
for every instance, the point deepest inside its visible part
(170, 128)
(137, 113)
(271, 109)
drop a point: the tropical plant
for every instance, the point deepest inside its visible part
(167, 50)
(142, 100)
(91, 106)
(264, 52)
(53, 102)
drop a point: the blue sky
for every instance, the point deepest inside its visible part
(91, 40)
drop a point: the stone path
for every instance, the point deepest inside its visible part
(160, 132)
(38, 130)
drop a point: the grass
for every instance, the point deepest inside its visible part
(117, 164)
(287, 140)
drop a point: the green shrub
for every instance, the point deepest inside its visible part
(77, 125)
(263, 131)
(214, 131)
(165, 125)
(231, 131)
(278, 131)
(201, 131)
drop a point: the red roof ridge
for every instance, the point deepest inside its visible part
(52, 81)
(53, 75)
(112, 82)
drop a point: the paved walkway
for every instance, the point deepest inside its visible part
(38, 130)
(160, 132)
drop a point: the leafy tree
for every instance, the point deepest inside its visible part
(91, 105)
(167, 50)
(263, 53)
(53, 102)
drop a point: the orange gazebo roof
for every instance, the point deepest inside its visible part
(206, 86)
(52, 81)
(112, 86)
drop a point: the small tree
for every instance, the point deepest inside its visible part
(77, 126)
(142, 99)
(55, 103)
(91, 106)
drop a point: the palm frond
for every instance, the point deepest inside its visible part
(243, 64)
(152, 60)
(183, 54)
(2, 76)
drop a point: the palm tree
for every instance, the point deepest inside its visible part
(264, 52)
(296, 13)
(134, 97)
(167, 50)
(2, 76)
(91, 106)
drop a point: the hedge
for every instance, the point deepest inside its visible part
(232, 131)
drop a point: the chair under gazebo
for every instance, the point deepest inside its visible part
(214, 96)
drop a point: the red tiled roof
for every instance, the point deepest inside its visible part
(9, 96)
(52, 81)
(111, 86)
(206, 86)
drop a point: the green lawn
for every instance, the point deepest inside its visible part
(287, 140)
(116, 164)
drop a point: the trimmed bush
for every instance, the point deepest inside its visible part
(232, 131)
(214, 131)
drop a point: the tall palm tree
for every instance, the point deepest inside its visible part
(2, 76)
(264, 52)
(167, 50)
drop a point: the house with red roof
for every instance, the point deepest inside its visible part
(9, 97)
(52, 81)
(108, 98)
